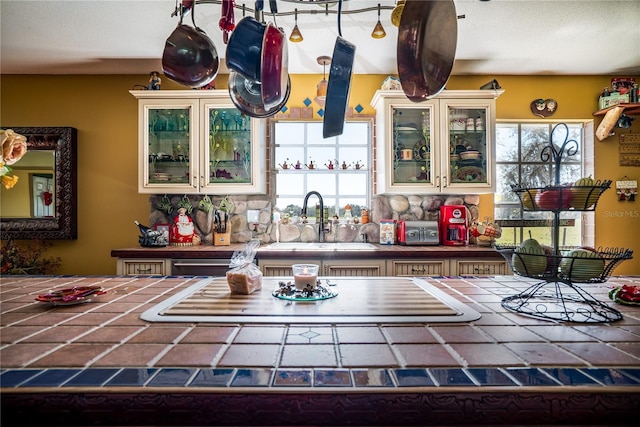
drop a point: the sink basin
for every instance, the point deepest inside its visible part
(315, 246)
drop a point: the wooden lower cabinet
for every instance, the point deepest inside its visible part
(479, 267)
(420, 267)
(392, 267)
(282, 267)
(355, 267)
(143, 267)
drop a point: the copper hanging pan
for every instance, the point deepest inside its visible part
(426, 49)
(190, 57)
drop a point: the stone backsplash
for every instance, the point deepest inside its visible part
(395, 207)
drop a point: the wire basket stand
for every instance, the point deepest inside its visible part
(557, 296)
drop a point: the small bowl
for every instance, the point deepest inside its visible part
(469, 155)
(454, 157)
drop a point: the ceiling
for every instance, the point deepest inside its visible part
(498, 37)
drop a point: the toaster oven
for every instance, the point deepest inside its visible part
(418, 233)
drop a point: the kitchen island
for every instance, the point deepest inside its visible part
(99, 363)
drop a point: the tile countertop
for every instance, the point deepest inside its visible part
(382, 251)
(99, 363)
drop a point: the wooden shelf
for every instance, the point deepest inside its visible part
(632, 108)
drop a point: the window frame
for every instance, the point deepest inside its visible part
(339, 199)
(587, 218)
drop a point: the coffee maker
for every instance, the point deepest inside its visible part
(454, 226)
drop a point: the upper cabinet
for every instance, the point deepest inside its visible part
(196, 141)
(442, 145)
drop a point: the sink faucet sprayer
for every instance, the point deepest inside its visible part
(304, 212)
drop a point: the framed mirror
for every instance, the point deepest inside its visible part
(43, 205)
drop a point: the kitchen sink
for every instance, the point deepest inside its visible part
(316, 246)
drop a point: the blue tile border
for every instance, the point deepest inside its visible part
(355, 378)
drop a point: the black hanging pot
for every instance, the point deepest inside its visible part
(426, 49)
(339, 84)
(190, 57)
(244, 50)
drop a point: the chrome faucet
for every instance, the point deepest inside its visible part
(304, 212)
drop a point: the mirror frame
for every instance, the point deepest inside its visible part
(63, 226)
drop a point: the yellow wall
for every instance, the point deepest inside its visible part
(105, 114)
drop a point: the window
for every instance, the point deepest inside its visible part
(334, 174)
(518, 161)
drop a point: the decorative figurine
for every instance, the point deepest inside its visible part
(298, 165)
(183, 232)
(358, 166)
(345, 165)
(330, 166)
(154, 81)
(311, 165)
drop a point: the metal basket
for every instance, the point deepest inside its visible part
(570, 198)
(575, 269)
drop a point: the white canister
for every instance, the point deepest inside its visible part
(471, 126)
(479, 124)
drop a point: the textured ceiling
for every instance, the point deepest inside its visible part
(508, 37)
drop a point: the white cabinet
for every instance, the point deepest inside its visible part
(442, 145)
(197, 142)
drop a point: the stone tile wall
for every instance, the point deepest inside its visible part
(396, 207)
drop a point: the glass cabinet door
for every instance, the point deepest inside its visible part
(412, 151)
(168, 147)
(470, 154)
(229, 146)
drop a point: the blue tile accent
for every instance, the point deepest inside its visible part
(570, 376)
(212, 378)
(450, 376)
(634, 373)
(490, 376)
(306, 102)
(609, 376)
(15, 377)
(252, 378)
(359, 108)
(332, 378)
(284, 109)
(413, 378)
(51, 378)
(328, 377)
(132, 377)
(371, 378)
(172, 377)
(320, 112)
(94, 377)
(531, 376)
(292, 378)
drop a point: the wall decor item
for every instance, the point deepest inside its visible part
(59, 144)
(626, 189)
(544, 107)
(629, 149)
